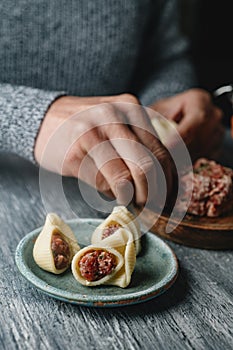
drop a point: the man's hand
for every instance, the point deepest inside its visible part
(107, 142)
(199, 121)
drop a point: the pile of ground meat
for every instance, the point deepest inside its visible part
(96, 264)
(212, 193)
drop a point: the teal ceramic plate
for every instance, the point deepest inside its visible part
(156, 270)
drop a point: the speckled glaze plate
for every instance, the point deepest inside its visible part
(155, 271)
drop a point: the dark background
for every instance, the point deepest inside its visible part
(209, 26)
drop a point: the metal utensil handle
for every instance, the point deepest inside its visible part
(223, 90)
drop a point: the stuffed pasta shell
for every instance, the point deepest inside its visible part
(55, 246)
(122, 240)
(95, 265)
(120, 217)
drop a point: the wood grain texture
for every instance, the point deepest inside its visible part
(196, 313)
(199, 232)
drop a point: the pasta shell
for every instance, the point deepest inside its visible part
(122, 240)
(76, 269)
(109, 222)
(42, 251)
(120, 217)
(165, 128)
(131, 223)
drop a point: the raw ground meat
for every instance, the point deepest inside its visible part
(212, 193)
(108, 231)
(96, 264)
(61, 251)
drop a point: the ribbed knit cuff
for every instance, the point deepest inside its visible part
(22, 110)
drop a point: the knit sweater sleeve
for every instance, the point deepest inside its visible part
(165, 66)
(22, 110)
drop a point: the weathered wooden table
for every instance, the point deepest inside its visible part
(196, 313)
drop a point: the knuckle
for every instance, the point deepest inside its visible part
(81, 127)
(69, 157)
(201, 93)
(144, 166)
(156, 146)
(105, 109)
(202, 116)
(121, 177)
(104, 114)
(102, 184)
(163, 158)
(158, 150)
(128, 98)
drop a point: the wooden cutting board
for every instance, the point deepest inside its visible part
(199, 232)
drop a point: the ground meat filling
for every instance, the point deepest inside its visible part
(108, 231)
(96, 264)
(61, 251)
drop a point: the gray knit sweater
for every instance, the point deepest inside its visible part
(83, 48)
